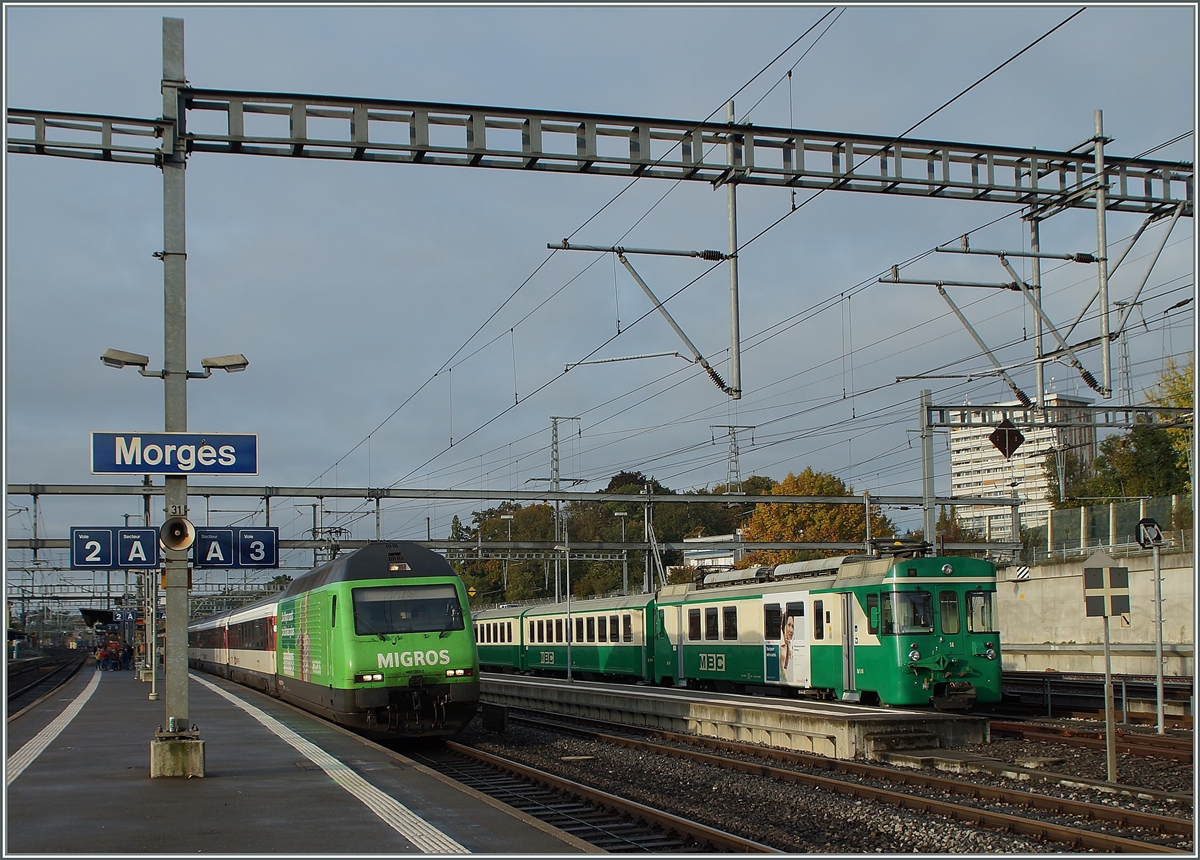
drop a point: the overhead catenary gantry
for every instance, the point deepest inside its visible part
(412, 132)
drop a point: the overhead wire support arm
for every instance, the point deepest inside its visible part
(701, 360)
(1022, 397)
(714, 256)
(711, 256)
(1084, 373)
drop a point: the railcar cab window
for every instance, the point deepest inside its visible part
(979, 612)
(948, 611)
(386, 609)
(907, 612)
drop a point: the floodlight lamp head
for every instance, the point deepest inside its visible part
(229, 363)
(120, 358)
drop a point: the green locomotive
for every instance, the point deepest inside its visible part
(379, 640)
(894, 631)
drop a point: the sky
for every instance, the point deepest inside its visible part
(373, 300)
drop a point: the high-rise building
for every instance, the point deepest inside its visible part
(978, 468)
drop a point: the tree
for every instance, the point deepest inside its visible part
(809, 522)
(1176, 388)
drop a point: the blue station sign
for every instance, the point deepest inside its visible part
(236, 548)
(174, 453)
(113, 548)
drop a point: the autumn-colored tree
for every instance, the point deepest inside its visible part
(1176, 388)
(809, 522)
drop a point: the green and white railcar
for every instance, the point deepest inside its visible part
(895, 631)
(900, 632)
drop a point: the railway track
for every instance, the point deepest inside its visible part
(1133, 743)
(1042, 818)
(30, 680)
(609, 822)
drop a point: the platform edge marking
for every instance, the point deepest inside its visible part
(396, 815)
(27, 754)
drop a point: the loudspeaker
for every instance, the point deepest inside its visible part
(177, 533)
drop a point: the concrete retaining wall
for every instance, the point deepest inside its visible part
(1043, 624)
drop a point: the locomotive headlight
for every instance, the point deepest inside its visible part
(914, 655)
(990, 653)
(459, 673)
(364, 677)
(947, 569)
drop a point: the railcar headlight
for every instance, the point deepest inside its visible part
(990, 653)
(459, 673)
(947, 569)
(914, 655)
(364, 677)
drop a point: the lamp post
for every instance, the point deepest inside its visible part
(508, 517)
(175, 565)
(624, 555)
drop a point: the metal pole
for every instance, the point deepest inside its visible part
(867, 514)
(1158, 641)
(735, 335)
(1102, 251)
(1110, 730)
(150, 621)
(567, 543)
(1035, 244)
(174, 258)
(927, 495)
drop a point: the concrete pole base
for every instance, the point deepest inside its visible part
(171, 757)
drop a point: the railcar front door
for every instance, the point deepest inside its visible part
(849, 684)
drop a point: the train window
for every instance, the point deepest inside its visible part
(591, 629)
(729, 625)
(531, 629)
(541, 631)
(772, 621)
(558, 630)
(694, 624)
(818, 614)
(508, 633)
(386, 609)
(578, 629)
(627, 628)
(333, 612)
(614, 625)
(711, 623)
(873, 614)
(602, 629)
(979, 612)
(948, 611)
(907, 612)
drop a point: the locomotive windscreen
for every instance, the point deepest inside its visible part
(388, 609)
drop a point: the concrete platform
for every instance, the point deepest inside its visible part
(277, 781)
(833, 729)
